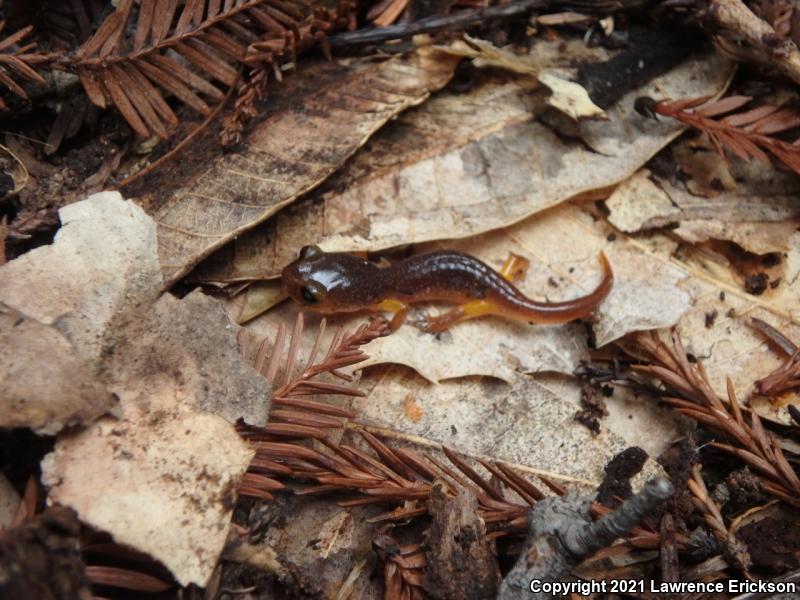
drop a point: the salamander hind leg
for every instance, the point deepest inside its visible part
(463, 312)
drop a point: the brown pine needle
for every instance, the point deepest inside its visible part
(144, 52)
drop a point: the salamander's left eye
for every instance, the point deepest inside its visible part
(312, 292)
(310, 252)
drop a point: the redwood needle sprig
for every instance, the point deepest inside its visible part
(687, 389)
(751, 133)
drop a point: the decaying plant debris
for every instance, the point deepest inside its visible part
(158, 440)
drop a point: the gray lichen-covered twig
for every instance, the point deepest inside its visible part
(561, 533)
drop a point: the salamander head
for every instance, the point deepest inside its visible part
(330, 281)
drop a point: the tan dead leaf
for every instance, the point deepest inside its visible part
(704, 170)
(98, 286)
(68, 294)
(640, 202)
(760, 214)
(485, 54)
(460, 165)
(716, 328)
(544, 54)
(529, 421)
(291, 152)
(258, 297)
(163, 477)
(43, 384)
(162, 482)
(758, 237)
(570, 98)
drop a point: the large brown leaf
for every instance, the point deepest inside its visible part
(289, 153)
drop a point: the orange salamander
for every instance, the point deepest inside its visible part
(339, 282)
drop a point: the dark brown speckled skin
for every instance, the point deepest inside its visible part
(349, 283)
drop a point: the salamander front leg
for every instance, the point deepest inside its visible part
(513, 268)
(399, 309)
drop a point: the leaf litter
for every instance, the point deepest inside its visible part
(147, 390)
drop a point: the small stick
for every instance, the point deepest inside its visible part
(468, 18)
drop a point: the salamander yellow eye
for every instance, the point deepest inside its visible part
(312, 293)
(310, 252)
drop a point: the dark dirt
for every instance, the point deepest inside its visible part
(75, 171)
(677, 461)
(39, 559)
(756, 284)
(616, 484)
(740, 490)
(774, 542)
(594, 408)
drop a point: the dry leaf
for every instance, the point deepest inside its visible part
(527, 422)
(569, 97)
(163, 483)
(43, 384)
(291, 152)
(163, 477)
(759, 238)
(258, 297)
(545, 53)
(97, 286)
(460, 165)
(716, 327)
(96, 268)
(760, 214)
(485, 54)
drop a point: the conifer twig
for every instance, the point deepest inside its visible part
(145, 51)
(787, 376)
(18, 62)
(735, 550)
(748, 134)
(687, 389)
(403, 568)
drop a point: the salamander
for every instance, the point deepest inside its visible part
(334, 282)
